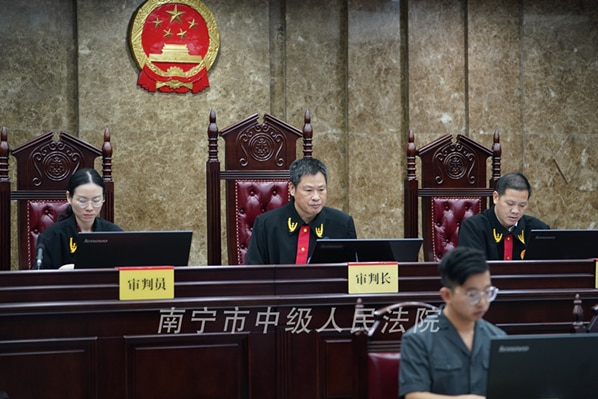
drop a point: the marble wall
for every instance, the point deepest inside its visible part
(368, 70)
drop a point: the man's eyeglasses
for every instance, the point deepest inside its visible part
(95, 202)
(474, 296)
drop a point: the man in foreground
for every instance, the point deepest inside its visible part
(451, 360)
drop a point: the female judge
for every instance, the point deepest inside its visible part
(85, 195)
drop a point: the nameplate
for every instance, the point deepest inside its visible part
(138, 283)
(373, 277)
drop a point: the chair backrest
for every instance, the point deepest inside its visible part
(384, 355)
(256, 174)
(453, 187)
(43, 169)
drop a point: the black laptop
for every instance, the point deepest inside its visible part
(366, 250)
(108, 249)
(543, 366)
(562, 244)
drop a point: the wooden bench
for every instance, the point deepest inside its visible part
(260, 331)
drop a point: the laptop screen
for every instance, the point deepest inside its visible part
(562, 244)
(543, 366)
(366, 250)
(108, 249)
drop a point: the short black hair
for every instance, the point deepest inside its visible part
(516, 181)
(306, 166)
(459, 264)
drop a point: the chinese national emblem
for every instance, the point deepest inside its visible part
(174, 44)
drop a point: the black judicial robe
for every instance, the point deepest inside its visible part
(484, 232)
(60, 240)
(275, 233)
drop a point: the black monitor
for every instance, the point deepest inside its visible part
(108, 249)
(562, 244)
(543, 366)
(366, 250)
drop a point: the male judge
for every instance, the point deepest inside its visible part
(502, 231)
(287, 235)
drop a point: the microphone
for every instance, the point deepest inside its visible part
(40, 256)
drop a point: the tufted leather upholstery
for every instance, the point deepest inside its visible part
(40, 216)
(252, 199)
(43, 168)
(383, 372)
(448, 214)
(452, 187)
(255, 174)
(384, 354)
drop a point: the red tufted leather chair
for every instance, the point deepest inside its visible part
(44, 167)
(256, 162)
(384, 344)
(453, 188)
(383, 374)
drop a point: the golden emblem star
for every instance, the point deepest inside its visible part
(175, 15)
(182, 34)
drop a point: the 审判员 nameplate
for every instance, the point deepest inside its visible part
(138, 283)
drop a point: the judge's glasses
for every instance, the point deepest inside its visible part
(474, 296)
(95, 202)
